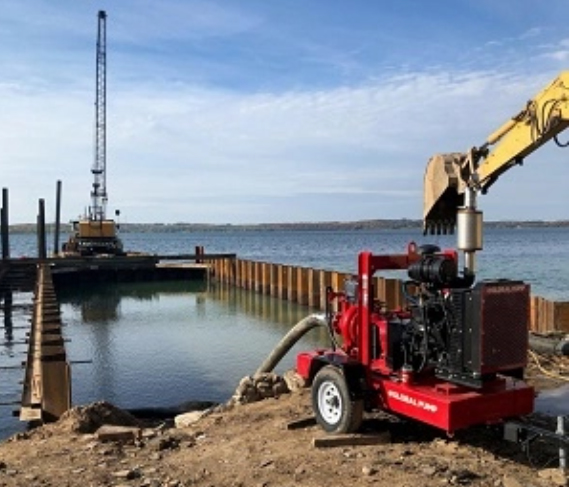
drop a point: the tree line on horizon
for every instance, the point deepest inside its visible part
(391, 224)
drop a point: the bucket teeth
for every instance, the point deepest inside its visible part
(439, 227)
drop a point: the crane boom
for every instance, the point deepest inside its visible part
(94, 234)
(97, 210)
(449, 177)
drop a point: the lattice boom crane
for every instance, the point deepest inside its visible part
(94, 234)
(97, 210)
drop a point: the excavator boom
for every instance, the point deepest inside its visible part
(448, 176)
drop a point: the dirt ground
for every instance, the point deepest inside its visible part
(251, 446)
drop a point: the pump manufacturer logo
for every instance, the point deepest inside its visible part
(412, 401)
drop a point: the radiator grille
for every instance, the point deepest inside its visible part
(504, 317)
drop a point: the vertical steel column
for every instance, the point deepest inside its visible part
(42, 252)
(5, 225)
(57, 218)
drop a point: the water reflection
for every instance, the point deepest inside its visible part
(16, 311)
(163, 343)
(268, 309)
(7, 303)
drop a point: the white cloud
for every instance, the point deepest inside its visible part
(191, 151)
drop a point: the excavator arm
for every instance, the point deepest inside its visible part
(449, 176)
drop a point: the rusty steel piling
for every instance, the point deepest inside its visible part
(46, 391)
(307, 287)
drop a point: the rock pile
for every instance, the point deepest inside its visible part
(88, 419)
(258, 387)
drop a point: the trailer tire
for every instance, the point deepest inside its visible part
(334, 408)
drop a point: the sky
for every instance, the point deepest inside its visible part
(232, 111)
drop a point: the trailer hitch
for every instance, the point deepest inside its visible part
(525, 433)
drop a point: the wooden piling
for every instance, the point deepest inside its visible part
(313, 288)
(273, 280)
(561, 316)
(324, 282)
(5, 225)
(265, 278)
(307, 286)
(42, 249)
(292, 284)
(302, 285)
(57, 218)
(282, 281)
(248, 274)
(257, 286)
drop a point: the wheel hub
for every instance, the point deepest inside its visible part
(330, 403)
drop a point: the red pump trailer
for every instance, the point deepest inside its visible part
(453, 358)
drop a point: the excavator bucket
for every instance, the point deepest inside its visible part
(443, 193)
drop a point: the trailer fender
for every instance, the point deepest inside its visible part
(353, 372)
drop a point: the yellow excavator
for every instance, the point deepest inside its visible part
(453, 181)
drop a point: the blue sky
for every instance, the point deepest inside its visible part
(284, 111)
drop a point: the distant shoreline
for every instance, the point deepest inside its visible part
(300, 226)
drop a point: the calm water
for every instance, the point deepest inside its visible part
(538, 256)
(160, 344)
(156, 344)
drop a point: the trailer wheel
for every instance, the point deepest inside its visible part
(335, 410)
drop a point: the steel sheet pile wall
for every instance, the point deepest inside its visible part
(307, 286)
(47, 383)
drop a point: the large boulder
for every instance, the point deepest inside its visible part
(88, 419)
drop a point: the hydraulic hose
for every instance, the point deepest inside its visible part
(288, 341)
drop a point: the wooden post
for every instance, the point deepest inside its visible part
(380, 292)
(274, 290)
(248, 274)
(265, 278)
(302, 285)
(313, 288)
(534, 314)
(234, 269)
(257, 277)
(226, 270)
(236, 272)
(337, 281)
(325, 281)
(281, 281)
(562, 316)
(242, 273)
(57, 218)
(545, 316)
(392, 293)
(198, 251)
(291, 283)
(42, 250)
(5, 225)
